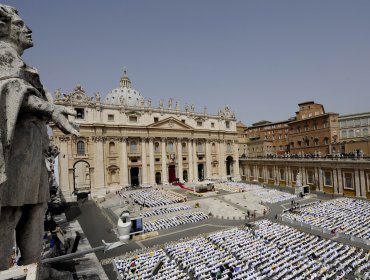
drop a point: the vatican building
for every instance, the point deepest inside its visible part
(125, 140)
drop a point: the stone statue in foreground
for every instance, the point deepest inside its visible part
(25, 108)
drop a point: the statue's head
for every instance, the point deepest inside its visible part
(13, 29)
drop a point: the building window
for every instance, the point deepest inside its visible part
(357, 122)
(213, 148)
(183, 121)
(350, 133)
(110, 117)
(212, 124)
(156, 147)
(133, 147)
(170, 147)
(199, 123)
(326, 141)
(183, 145)
(157, 159)
(325, 124)
(364, 122)
(112, 148)
(348, 180)
(327, 178)
(199, 147)
(156, 119)
(228, 148)
(132, 118)
(316, 141)
(365, 132)
(80, 148)
(358, 133)
(184, 158)
(227, 124)
(80, 113)
(344, 134)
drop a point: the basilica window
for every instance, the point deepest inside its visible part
(132, 118)
(213, 148)
(156, 147)
(170, 147)
(80, 113)
(199, 147)
(212, 124)
(110, 117)
(365, 132)
(326, 141)
(156, 119)
(227, 124)
(183, 145)
(112, 148)
(80, 148)
(350, 133)
(133, 147)
(228, 148)
(199, 123)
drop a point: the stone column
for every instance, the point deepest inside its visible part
(63, 166)
(144, 173)
(208, 159)
(335, 183)
(236, 166)
(304, 180)
(190, 161)
(287, 176)
(179, 159)
(220, 160)
(99, 163)
(357, 183)
(340, 180)
(316, 179)
(363, 183)
(164, 162)
(124, 162)
(151, 161)
(321, 180)
(276, 175)
(195, 161)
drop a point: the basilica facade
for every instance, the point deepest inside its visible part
(125, 140)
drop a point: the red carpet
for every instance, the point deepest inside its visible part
(181, 185)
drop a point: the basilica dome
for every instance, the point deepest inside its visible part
(124, 95)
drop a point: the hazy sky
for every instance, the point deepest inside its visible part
(261, 57)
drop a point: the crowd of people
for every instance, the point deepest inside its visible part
(266, 251)
(142, 266)
(166, 210)
(345, 215)
(174, 221)
(274, 196)
(154, 197)
(236, 186)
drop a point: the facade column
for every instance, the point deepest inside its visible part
(164, 162)
(190, 161)
(179, 160)
(357, 183)
(287, 176)
(208, 159)
(151, 162)
(340, 180)
(304, 180)
(236, 166)
(321, 180)
(99, 163)
(63, 166)
(276, 175)
(220, 159)
(195, 161)
(363, 183)
(316, 179)
(144, 173)
(335, 183)
(124, 163)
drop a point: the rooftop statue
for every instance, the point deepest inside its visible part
(25, 109)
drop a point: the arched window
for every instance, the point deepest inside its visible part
(112, 148)
(183, 147)
(156, 147)
(80, 148)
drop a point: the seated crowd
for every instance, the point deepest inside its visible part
(174, 221)
(268, 251)
(154, 197)
(274, 196)
(346, 215)
(166, 210)
(237, 186)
